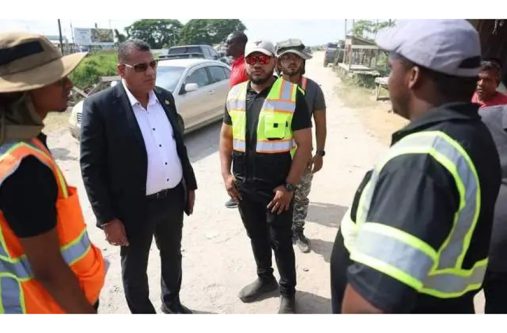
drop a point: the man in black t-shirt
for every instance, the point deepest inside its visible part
(265, 118)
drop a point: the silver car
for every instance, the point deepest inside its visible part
(199, 87)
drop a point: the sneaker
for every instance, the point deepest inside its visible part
(287, 304)
(231, 204)
(256, 289)
(302, 242)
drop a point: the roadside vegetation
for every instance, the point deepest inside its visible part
(94, 66)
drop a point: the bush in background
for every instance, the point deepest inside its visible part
(95, 65)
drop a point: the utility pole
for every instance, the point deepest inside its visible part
(345, 31)
(61, 39)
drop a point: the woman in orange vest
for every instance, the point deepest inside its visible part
(47, 262)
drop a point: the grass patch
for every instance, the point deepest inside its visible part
(95, 65)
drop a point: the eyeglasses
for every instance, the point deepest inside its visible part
(142, 67)
(261, 59)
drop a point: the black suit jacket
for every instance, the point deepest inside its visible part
(114, 159)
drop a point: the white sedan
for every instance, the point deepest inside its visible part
(199, 87)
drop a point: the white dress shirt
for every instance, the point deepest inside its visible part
(164, 165)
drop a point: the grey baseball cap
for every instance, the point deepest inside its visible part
(447, 46)
(292, 45)
(262, 46)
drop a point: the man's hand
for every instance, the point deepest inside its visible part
(317, 162)
(190, 202)
(281, 200)
(115, 233)
(232, 190)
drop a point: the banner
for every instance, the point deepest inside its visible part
(92, 36)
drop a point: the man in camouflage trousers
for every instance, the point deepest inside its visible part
(292, 55)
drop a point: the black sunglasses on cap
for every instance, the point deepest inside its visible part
(142, 67)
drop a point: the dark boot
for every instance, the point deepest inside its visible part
(301, 241)
(175, 308)
(287, 304)
(257, 288)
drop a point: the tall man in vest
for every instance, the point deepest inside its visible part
(265, 118)
(47, 263)
(291, 61)
(417, 235)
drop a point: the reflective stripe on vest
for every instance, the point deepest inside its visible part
(274, 132)
(20, 267)
(11, 295)
(437, 273)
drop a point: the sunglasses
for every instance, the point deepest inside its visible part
(142, 67)
(261, 59)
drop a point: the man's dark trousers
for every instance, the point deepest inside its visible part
(270, 231)
(164, 220)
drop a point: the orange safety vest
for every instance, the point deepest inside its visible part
(20, 292)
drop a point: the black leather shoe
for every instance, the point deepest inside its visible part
(287, 304)
(256, 289)
(231, 204)
(175, 308)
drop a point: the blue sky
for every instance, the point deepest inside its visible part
(312, 32)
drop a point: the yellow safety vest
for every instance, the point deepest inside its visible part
(274, 130)
(435, 272)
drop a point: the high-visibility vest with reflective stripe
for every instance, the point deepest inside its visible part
(274, 130)
(19, 291)
(435, 272)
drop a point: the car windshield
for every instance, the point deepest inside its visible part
(168, 76)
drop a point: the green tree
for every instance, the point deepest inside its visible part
(158, 33)
(209, 31)
(365, 28)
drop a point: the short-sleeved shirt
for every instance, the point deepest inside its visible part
(497, 99)
(28, 198)
(417, 195)
(314, 96)
(495, 117)
(238, 71)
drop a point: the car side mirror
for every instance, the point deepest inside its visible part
(189, 87)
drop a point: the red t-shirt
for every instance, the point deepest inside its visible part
(498, 99)
(238, 71)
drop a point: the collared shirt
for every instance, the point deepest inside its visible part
(417, 195)
(497, 99)
(495, 118)
(238, 71)
(164, 165)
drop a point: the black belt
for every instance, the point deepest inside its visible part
(160, 195)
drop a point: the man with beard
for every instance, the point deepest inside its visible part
(291, 61)
(235, 44)
(265, 118)
(489, 79)
(416, 237)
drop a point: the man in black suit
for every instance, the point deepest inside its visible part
(138, 176)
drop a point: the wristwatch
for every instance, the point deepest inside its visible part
(320, 152)
(290, 187)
